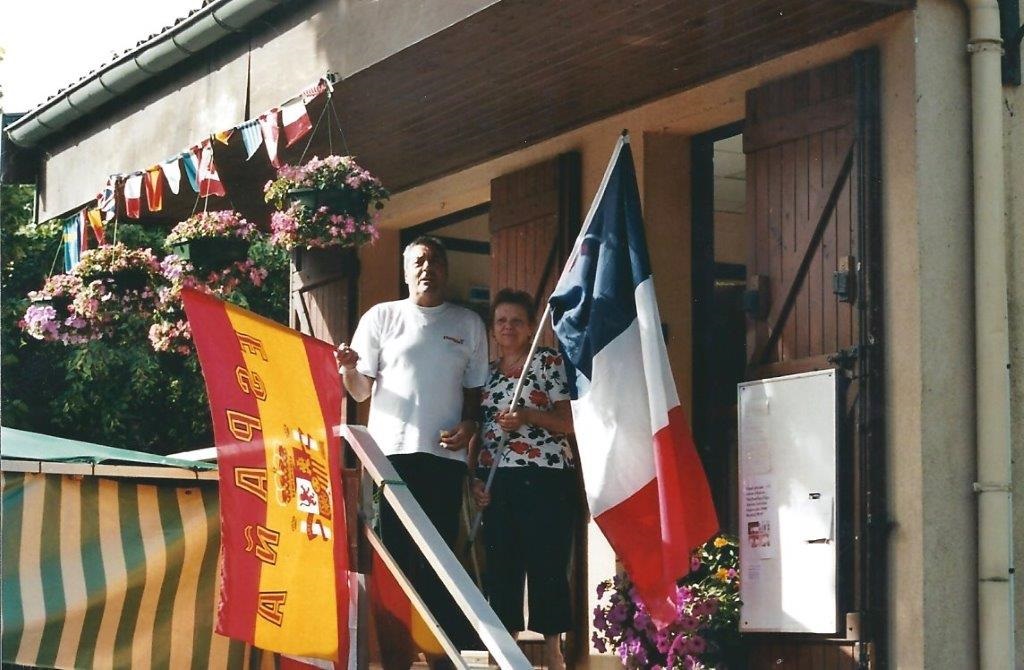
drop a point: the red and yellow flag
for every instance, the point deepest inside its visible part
(401, 629)
(275, 396)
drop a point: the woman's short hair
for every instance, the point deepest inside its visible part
(507, 296)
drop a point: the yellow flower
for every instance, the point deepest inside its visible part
(722, 575)
(721, 541)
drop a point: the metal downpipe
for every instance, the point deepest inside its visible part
(992, 345)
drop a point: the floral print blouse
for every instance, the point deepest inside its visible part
(530, 446)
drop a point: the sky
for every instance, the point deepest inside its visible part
(49, 44)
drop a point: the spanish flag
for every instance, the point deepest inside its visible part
(401, 625)
(275, 396)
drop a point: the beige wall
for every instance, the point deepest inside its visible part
(342, 36)
(929, 337)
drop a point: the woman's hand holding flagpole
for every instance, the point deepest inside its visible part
(623, 139)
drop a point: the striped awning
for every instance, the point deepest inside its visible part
(112, 573)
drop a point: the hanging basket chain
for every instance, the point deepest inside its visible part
(60, 248)
(309, 142)
(334, 112)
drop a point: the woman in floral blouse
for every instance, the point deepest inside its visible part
(531, 508)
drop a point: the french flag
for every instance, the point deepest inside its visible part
(644, 480)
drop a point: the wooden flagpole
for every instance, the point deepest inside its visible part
(517, 392)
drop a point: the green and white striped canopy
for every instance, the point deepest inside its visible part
(112, 573)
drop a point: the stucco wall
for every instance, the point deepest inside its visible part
(342, 36)
(929, 341)
(903, 363)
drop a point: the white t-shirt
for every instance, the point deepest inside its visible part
(421, 359)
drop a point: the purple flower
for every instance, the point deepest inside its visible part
(696, 644)
(618, 613)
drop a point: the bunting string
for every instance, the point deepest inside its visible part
(268, 129)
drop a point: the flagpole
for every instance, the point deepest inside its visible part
(517, 392)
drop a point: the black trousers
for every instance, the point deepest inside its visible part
(436, 483)
(528, 530)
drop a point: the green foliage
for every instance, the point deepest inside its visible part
(117, 390)
(31, 370)
(270, 299)
(133, 397)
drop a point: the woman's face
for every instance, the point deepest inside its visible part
(512, 327)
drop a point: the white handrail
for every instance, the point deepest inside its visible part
(417, 602)
(499, 642)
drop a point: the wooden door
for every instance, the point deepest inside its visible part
(812, 302)
(534, 220)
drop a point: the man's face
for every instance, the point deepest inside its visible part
(425, 272)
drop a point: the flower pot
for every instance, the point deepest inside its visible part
(60, 303)
(128, 279)
(212, 253)
(314, 266)
(337, 200)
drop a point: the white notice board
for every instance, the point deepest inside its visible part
(787, 470)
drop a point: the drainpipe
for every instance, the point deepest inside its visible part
(992, 344)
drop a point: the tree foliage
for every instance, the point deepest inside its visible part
(117, 390)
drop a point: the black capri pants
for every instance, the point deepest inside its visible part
(528, 531)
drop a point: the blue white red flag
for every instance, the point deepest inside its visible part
(644, 480)
(106, 200)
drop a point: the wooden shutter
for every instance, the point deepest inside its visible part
(812, 302)
(534, 219)
(323, 300)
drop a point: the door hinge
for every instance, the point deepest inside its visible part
(845, 358)
(844, 280)
(756, 298)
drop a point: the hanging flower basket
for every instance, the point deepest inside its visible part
(170, 331)
(51, 315)
(212, 240)
(326, 202)
(121, 268)
(337, 200)
(119, 287)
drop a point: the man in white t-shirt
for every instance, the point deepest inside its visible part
(423, 362)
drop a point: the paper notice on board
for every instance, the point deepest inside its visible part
(758, 517)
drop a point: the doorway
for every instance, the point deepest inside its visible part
(719, 279)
